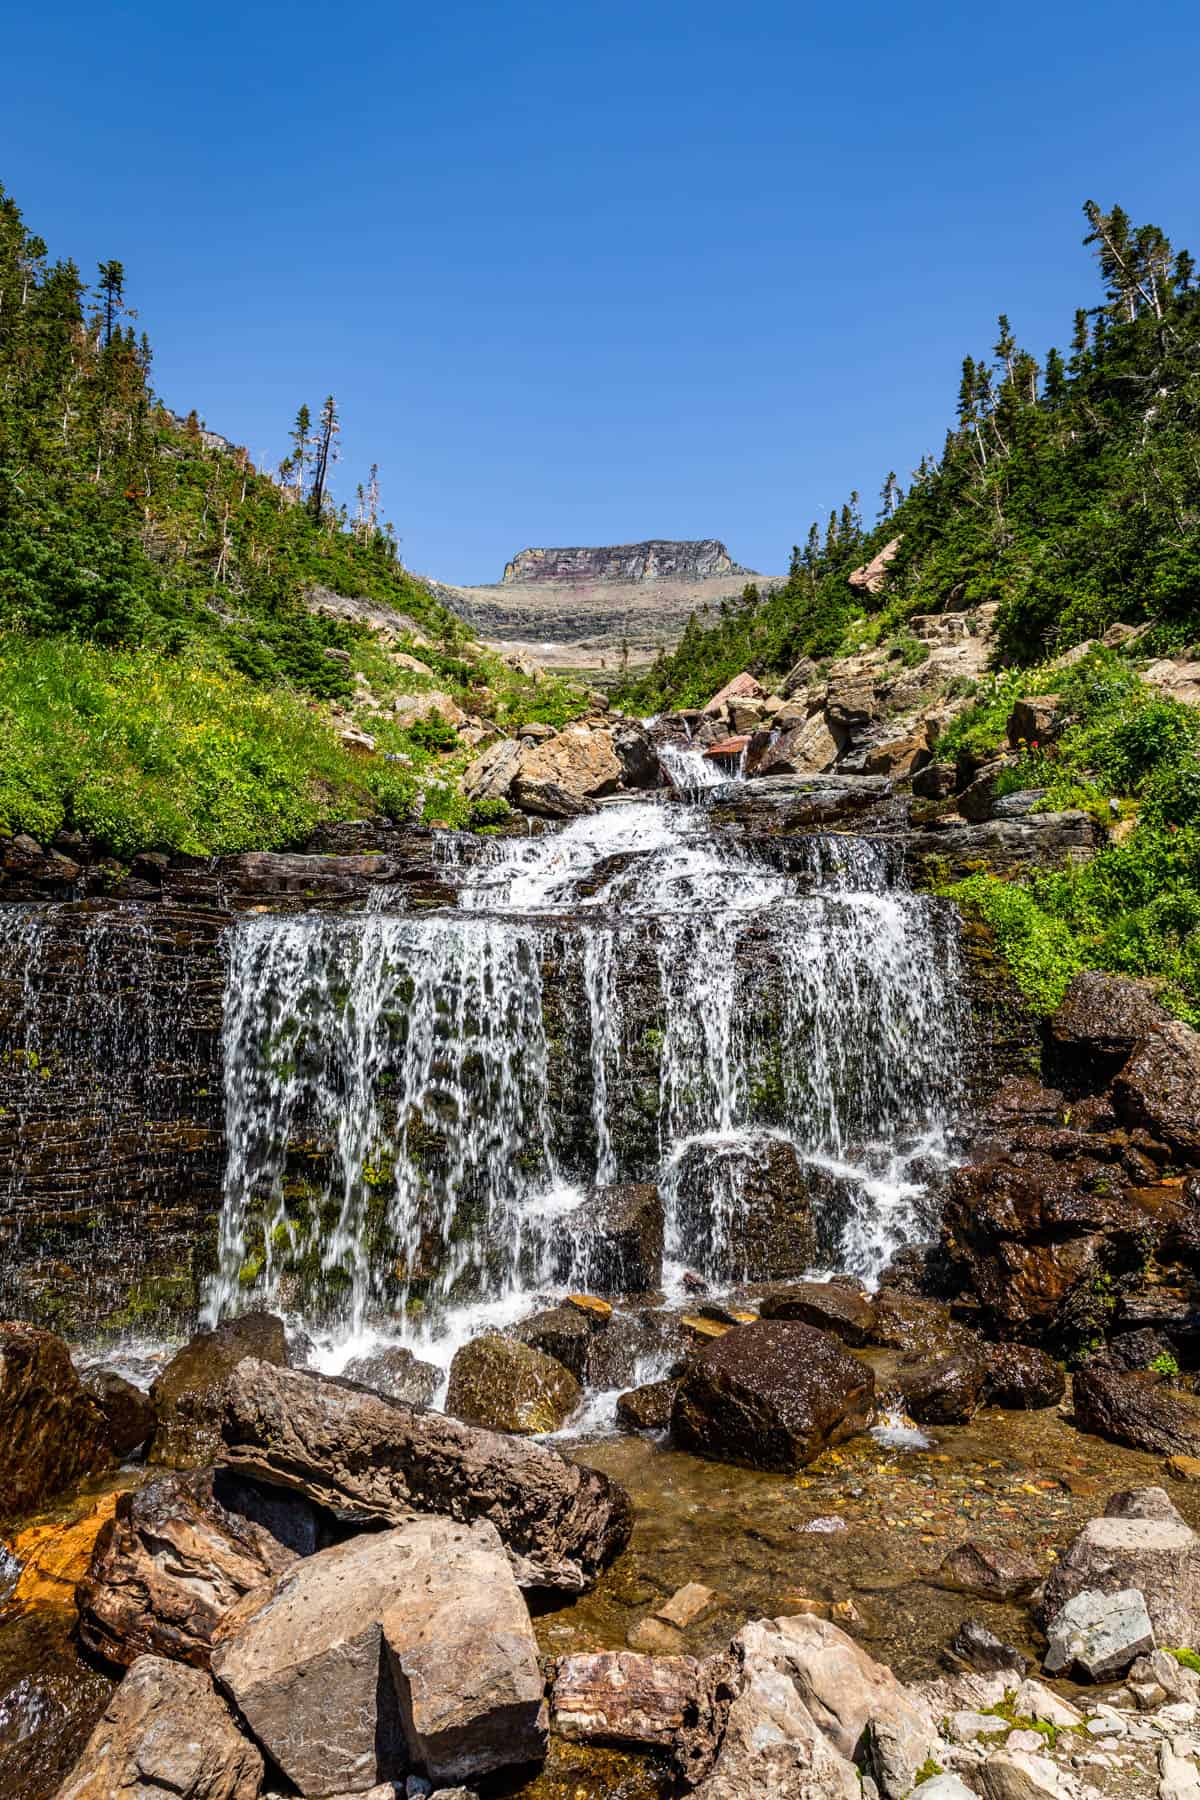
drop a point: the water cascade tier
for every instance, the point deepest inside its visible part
(422, 1107)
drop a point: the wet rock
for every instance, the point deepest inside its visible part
(948, 851)
(647, 1408)
(52, 1432)
(758, 1181)
(1136, 1409)
(942, 1390)
(1098, 1634)
(402, 1647)
(50, 1558)
(602, 1349)
(989, 1572)
(773, 1395)
(668, 1703)
(834, 1306)
(636, 754)
(1157, 1088)
(1099, 1024)
(187, 1395)
(166, 1733)
(129, 1415)
(976, 1648)
(1158, 1556)
(504, 1385)
(168, 1568)
(394, 1370)
(911, 1324)
(50, 1699)
(371, 1461)
(613, 1243)
(1022, 1378)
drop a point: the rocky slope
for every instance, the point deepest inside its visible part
(587, 607)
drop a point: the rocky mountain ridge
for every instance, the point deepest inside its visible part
(653, 560)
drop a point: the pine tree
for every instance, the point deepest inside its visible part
(296, 465)
(112, 290)
(889, 495)
(325, 455)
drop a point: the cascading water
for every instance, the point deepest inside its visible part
(417, 1103)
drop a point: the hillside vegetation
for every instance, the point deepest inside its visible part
(1067, 490)
(163, 682)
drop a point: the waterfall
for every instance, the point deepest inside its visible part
(417, 1103)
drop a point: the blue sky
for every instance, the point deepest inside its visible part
(587, 273)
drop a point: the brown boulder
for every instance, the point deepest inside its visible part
(394, 1370)
(187, 1395)
(773, 1395)
(128, 1412)
(834, 1306)
(1022, 1378)
(372, 1461)
(168, 1568)
(942, 1390)
(1136, 1410)
(613, 1243)
(665, 1703)
(166, 1733)
(1037, 720)
(505, 1385)
(1158, 1086)
(52, 1432)
(988, 1572)
(1099, 1024)
(742, 687)
(898, 757)
(872, 576)
(759, 1182)
(647, 1408)
(909, 1323)
(809, 747)
(561, 778)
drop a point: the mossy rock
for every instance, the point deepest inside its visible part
(509, 1386)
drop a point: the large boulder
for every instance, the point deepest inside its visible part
(128, 1411)
(400, 1649)
(635, 751)
(809, 747)
(613, 1242)
(647, 1408)
(1021, 1377)
(392, 1369)
(505, 1385)
(742, 687)
(743, 1208)
(1098, 1025)
(490, 776)
(562, 777)
(1137, 1410)
(166, 1733)
(811, 1704)
(602, 1347)
(52, 1432)
(168, 1567)
(839, 1307)
(916, 1326)
(371, 1461)
(773, 1394)
(1098, 1634)
(871, 578)
(187, 1395)
(1158, 1555)
(943, 1390)
(1157, 1088)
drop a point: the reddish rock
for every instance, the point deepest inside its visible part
(1101, 1021)
(872, 576)
(1158, 1087)
(834, 1306)
(742, 687)
(1021, 1377)
(773, 1395)
(52, 1432)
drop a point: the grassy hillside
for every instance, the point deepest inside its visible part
(162, 681)
(1068, 490)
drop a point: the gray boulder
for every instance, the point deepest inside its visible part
(372, 1461)
(1099, 1634)
(1157, 1555)
(165, 1733)
(400, 1649)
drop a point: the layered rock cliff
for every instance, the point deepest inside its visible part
(695, 559)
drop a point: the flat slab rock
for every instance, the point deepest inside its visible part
(370, 1460)
(166, 1733)
(1099, 1635)
(401, 1650)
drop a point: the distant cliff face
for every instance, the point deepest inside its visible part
(699, 559)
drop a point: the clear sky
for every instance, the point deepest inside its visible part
(588, 273)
